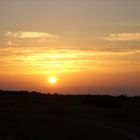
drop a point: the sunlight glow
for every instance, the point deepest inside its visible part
(52, 80)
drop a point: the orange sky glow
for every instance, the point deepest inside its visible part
(87, 46)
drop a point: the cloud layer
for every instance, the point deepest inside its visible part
(122, 37)
(43, 60)
(28, 38)
(21, 35)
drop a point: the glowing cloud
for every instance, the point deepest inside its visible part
(123, 37)
(29, 35)
(28, 38)
(11, 43)
(53, 61)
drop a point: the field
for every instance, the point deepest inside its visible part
(35, 116)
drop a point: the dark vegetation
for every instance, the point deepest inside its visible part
(36, 116)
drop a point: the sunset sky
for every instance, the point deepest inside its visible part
(90, 46)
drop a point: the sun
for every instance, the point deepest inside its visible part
(52, 80)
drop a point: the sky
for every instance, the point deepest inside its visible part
(90, 46)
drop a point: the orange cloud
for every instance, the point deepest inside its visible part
(122, 37)
(34, 60)
(28, 38)
(21, 35)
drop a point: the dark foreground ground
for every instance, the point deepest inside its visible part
(34, 116)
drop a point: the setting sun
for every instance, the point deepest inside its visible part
(52, 80)
(68, 47)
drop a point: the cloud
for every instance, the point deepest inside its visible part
(31, 35)
(10, 43)
(44, 60)
(21, 38)
(122, 37)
